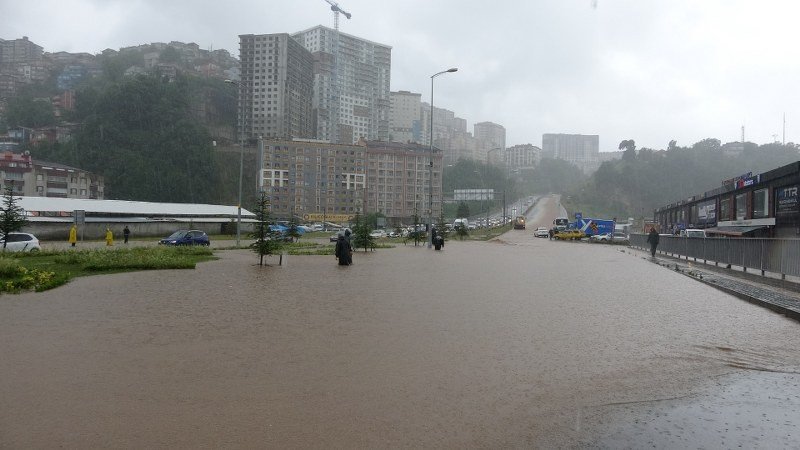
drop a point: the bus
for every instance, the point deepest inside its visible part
(519, 223)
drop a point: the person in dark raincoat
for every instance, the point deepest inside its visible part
(344, 251)
(652, 239)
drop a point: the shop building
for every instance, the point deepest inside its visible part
(760, 205)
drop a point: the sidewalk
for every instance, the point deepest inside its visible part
(781, 296)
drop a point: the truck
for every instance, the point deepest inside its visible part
(593, 227)
(519, 223)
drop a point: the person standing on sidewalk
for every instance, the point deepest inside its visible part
(126, 233)
(652, 239)
(109, 237)
(73, 235)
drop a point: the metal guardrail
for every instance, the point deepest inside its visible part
(765, 254)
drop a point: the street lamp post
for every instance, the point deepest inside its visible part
(430, 166)
(241, 161)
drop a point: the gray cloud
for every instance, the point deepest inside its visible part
(642, 69)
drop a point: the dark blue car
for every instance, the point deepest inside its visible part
(186, 237)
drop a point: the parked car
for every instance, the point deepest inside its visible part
(605, 237)
(621, 238)
(541, 232)
(378, 234)
(20, 242)
(186, 237)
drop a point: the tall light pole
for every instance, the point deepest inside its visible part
(430, 166)
(241, 161)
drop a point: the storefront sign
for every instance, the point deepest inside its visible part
(335, 218)
(748, 181)
(786, 201)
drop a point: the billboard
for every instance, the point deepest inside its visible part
(786, 201)
(707, 213)
(473, 194)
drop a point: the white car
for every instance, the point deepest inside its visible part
(378, 234)
(605, 237)
(20, 242)
(541, 232)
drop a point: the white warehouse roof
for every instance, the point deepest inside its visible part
(35, 206)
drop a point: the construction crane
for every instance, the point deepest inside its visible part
(336, 10)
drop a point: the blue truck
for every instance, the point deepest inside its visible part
(592, 227)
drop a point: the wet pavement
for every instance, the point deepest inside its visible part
(516, 342)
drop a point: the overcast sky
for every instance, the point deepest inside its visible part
(646, 70)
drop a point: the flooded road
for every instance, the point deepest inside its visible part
(517, 342)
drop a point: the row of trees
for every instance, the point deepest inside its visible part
(646, 179)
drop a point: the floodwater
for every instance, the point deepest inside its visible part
(517, 342)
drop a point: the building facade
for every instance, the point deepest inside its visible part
(33, 178)
(405, 118)
(276, 88)
(399, 181)
(522, 157)
(766, 204)
(351, 85)
(314, 180)
(491, 136)
(581, 150)
(317, 181)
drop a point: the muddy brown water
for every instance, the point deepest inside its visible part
(517, 342)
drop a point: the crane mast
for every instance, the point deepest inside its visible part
(334, 94)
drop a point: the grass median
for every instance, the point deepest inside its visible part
(46, 270)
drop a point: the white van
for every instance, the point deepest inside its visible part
(461, 222)
(693, 233)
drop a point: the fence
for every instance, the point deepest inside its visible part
(780, 256)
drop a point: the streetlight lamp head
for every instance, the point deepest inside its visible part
(454, 69)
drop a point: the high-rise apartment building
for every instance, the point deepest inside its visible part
(15, 51)
(405, 118)
(491, 136)
(581, 150)
(276, 88)
(398, 181)
(319, 181)
(522, 157)
(351, 85)
(314, 180)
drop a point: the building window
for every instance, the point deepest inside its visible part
(725, 208)
(761, 203)
(83, 192)
(741, 206)
(39, 177)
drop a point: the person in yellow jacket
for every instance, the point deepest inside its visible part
(73, 235)
(109, 237)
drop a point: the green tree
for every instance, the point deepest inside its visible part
(441, 227)
(12, 216)
(267, 242)
(292, 231)
(361, 234)
(461, 231)
(30, 112)
(463, 210)
(629, 145)
(140, 134)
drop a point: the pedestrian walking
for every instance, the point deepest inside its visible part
(343, 252)
(126, 233)
(652, 239)
(109, 237)
(73, 235)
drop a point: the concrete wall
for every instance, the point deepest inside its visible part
(49, 231)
